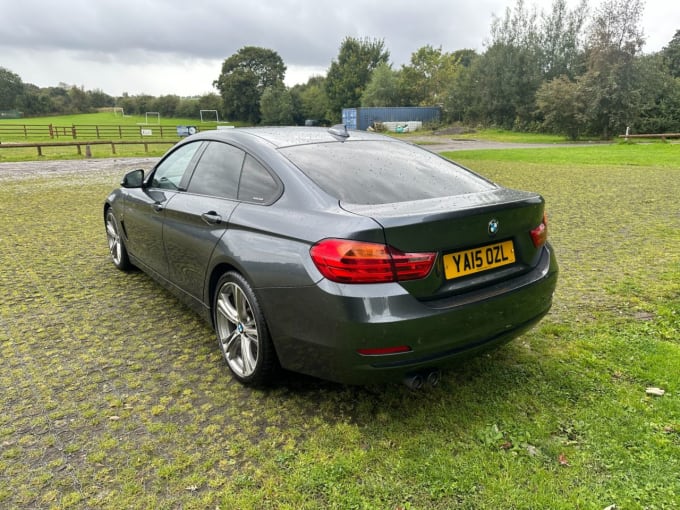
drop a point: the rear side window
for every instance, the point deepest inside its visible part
(257, 185)
(382, 172)
(217, 172)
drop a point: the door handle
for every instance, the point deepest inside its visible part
(158, 206)
(211, 217)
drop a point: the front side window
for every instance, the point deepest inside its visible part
(169, 173)
(217, 172)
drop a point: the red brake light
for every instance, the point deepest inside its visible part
(347, 261)
(539, 235)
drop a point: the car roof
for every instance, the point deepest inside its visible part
(289, 136)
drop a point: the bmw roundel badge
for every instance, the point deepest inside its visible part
(493, 227)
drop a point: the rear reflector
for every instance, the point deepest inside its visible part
(348, 261)
(384, 350)
(539, 235)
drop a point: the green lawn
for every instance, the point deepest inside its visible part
(38, 132)
(115, 395)
(101, 118)
(607, 155)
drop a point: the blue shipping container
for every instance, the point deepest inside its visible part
(361, 118)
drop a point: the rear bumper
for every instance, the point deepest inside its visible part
(317, 330)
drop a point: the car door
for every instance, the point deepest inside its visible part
(145, 208)
(195, 220)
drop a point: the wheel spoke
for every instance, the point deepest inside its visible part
(226, 309)
(111, 229)
(114, 248)
(241, 305)
(231, 345)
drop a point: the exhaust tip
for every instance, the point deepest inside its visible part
(414, 382)
(434, 377)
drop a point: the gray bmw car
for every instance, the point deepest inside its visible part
(349, 256)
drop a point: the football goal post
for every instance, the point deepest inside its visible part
(152, 115)
(206, 117)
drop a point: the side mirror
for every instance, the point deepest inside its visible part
(133, 179)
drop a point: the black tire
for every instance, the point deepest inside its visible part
(242, 333)
(117, 250)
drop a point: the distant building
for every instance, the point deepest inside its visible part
(362, 118)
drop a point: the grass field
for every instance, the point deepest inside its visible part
(101, 118)
(91, 119)
(115, 396)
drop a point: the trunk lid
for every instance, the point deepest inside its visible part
(480, 238)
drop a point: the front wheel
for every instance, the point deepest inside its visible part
(119, 254)
(242, 333)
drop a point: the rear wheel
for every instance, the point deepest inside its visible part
(119, 254)
(242, 333)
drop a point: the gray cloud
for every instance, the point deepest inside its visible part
(39, 39)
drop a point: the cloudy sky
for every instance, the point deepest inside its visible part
(177, 46)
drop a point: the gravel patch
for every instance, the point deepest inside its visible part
(55, 168)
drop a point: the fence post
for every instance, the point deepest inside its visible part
(25, 132)
(51, 132)
(113, 148)
(73, 131)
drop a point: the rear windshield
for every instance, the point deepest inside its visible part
(382, 172)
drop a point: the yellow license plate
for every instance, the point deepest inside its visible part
(463, 263)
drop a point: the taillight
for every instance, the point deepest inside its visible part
(347, 261)
(539, 235)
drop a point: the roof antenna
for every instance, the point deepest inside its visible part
(339, 131)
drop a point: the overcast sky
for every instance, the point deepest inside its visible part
(177, 46)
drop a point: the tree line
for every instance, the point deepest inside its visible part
(568, 71)
(65, 99)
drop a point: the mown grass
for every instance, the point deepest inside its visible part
(9, 154)
(100, 118)
(115, 395)
(502, 135)
(622, 154)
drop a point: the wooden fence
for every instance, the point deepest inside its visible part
(79, 145)
(89, 132)
(661, 136)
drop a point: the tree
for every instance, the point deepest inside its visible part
(11, 87)
(311, 100)
(560, 40)
(35, 101)
(561, 105)
(610, 86)
(166, 105)
(671, 55)
(276, 106)
(425, 80)
(502, 85)
(659, 110)
(245, 75)
(506, 77)
(350, 73)
(383, 88)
